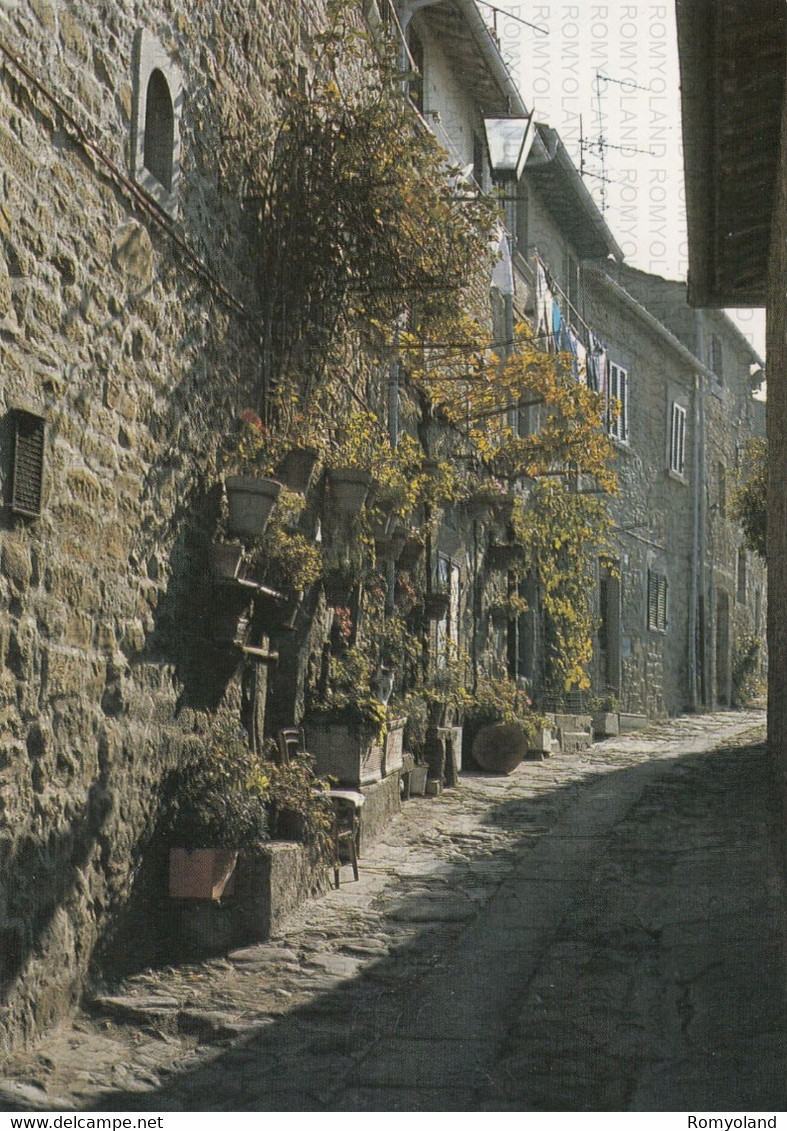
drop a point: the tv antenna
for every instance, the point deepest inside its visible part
(601, 145)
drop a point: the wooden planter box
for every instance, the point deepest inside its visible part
(347, 753)
(201, 873)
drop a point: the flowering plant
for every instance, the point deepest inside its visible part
(252, 448)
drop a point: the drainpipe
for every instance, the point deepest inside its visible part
(695, 538)
(393, 436)
(698, 531)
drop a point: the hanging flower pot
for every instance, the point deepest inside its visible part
(436, 605)
(349, 489)
(500, 615)
(250, 501)
(504, 509)
(477, 508)
(230, 628)
(339, 585)
(412, 550)
(297, 468)
(225, 559)
(505, 555)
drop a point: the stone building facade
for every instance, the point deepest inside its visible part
(676, 545)
(129, 340)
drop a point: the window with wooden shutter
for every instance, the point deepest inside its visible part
(657, 601)
(29, 431)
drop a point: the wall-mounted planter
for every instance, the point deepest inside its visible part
(411, 552)
(225, 559)
(230, 627)
(339, 586)
(250, 502)
(345, 752)
(296, 470)
(349, 489)
(505, 555)
(478, 509)
(436, 605)
(500, 615)
(201, 873)
(500, 747)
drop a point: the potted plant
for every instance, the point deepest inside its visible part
(250, 489)
(498, 719)
(505, 555)
(502, 612)
(437, 604)
(346, 719)
(484, 501)
(217, 808)
(285, 561)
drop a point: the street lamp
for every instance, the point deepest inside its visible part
(508, 142)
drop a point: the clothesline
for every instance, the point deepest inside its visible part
(591, 361)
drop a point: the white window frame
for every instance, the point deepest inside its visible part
(150, 56)
(618, 421)
(677, 440)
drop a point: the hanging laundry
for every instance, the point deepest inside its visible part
(598, 364)
(503, 270)
(544, 300)
(556, 342)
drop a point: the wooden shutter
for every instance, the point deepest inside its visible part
(28, 471)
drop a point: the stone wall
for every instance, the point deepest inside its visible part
(134, 335)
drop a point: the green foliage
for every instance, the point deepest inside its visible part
(347, 695)
(749, 502)
(747, 681)
(295, 790)
(218, 797)
(356, 194)
(564, 532)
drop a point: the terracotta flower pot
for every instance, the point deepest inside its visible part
(349, 489)
(225, 559)
(500, 747)
(297, 468)
(201, 873)
(250, 501)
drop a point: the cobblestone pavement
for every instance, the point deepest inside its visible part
(599, 931)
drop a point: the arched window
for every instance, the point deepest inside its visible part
(158, 96)
(159, 130)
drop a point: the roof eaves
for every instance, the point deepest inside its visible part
(652, 322)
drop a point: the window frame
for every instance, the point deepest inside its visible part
(677, 439)
(150, 56)
(618, 388)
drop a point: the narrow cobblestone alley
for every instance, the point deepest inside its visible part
(600, 931)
